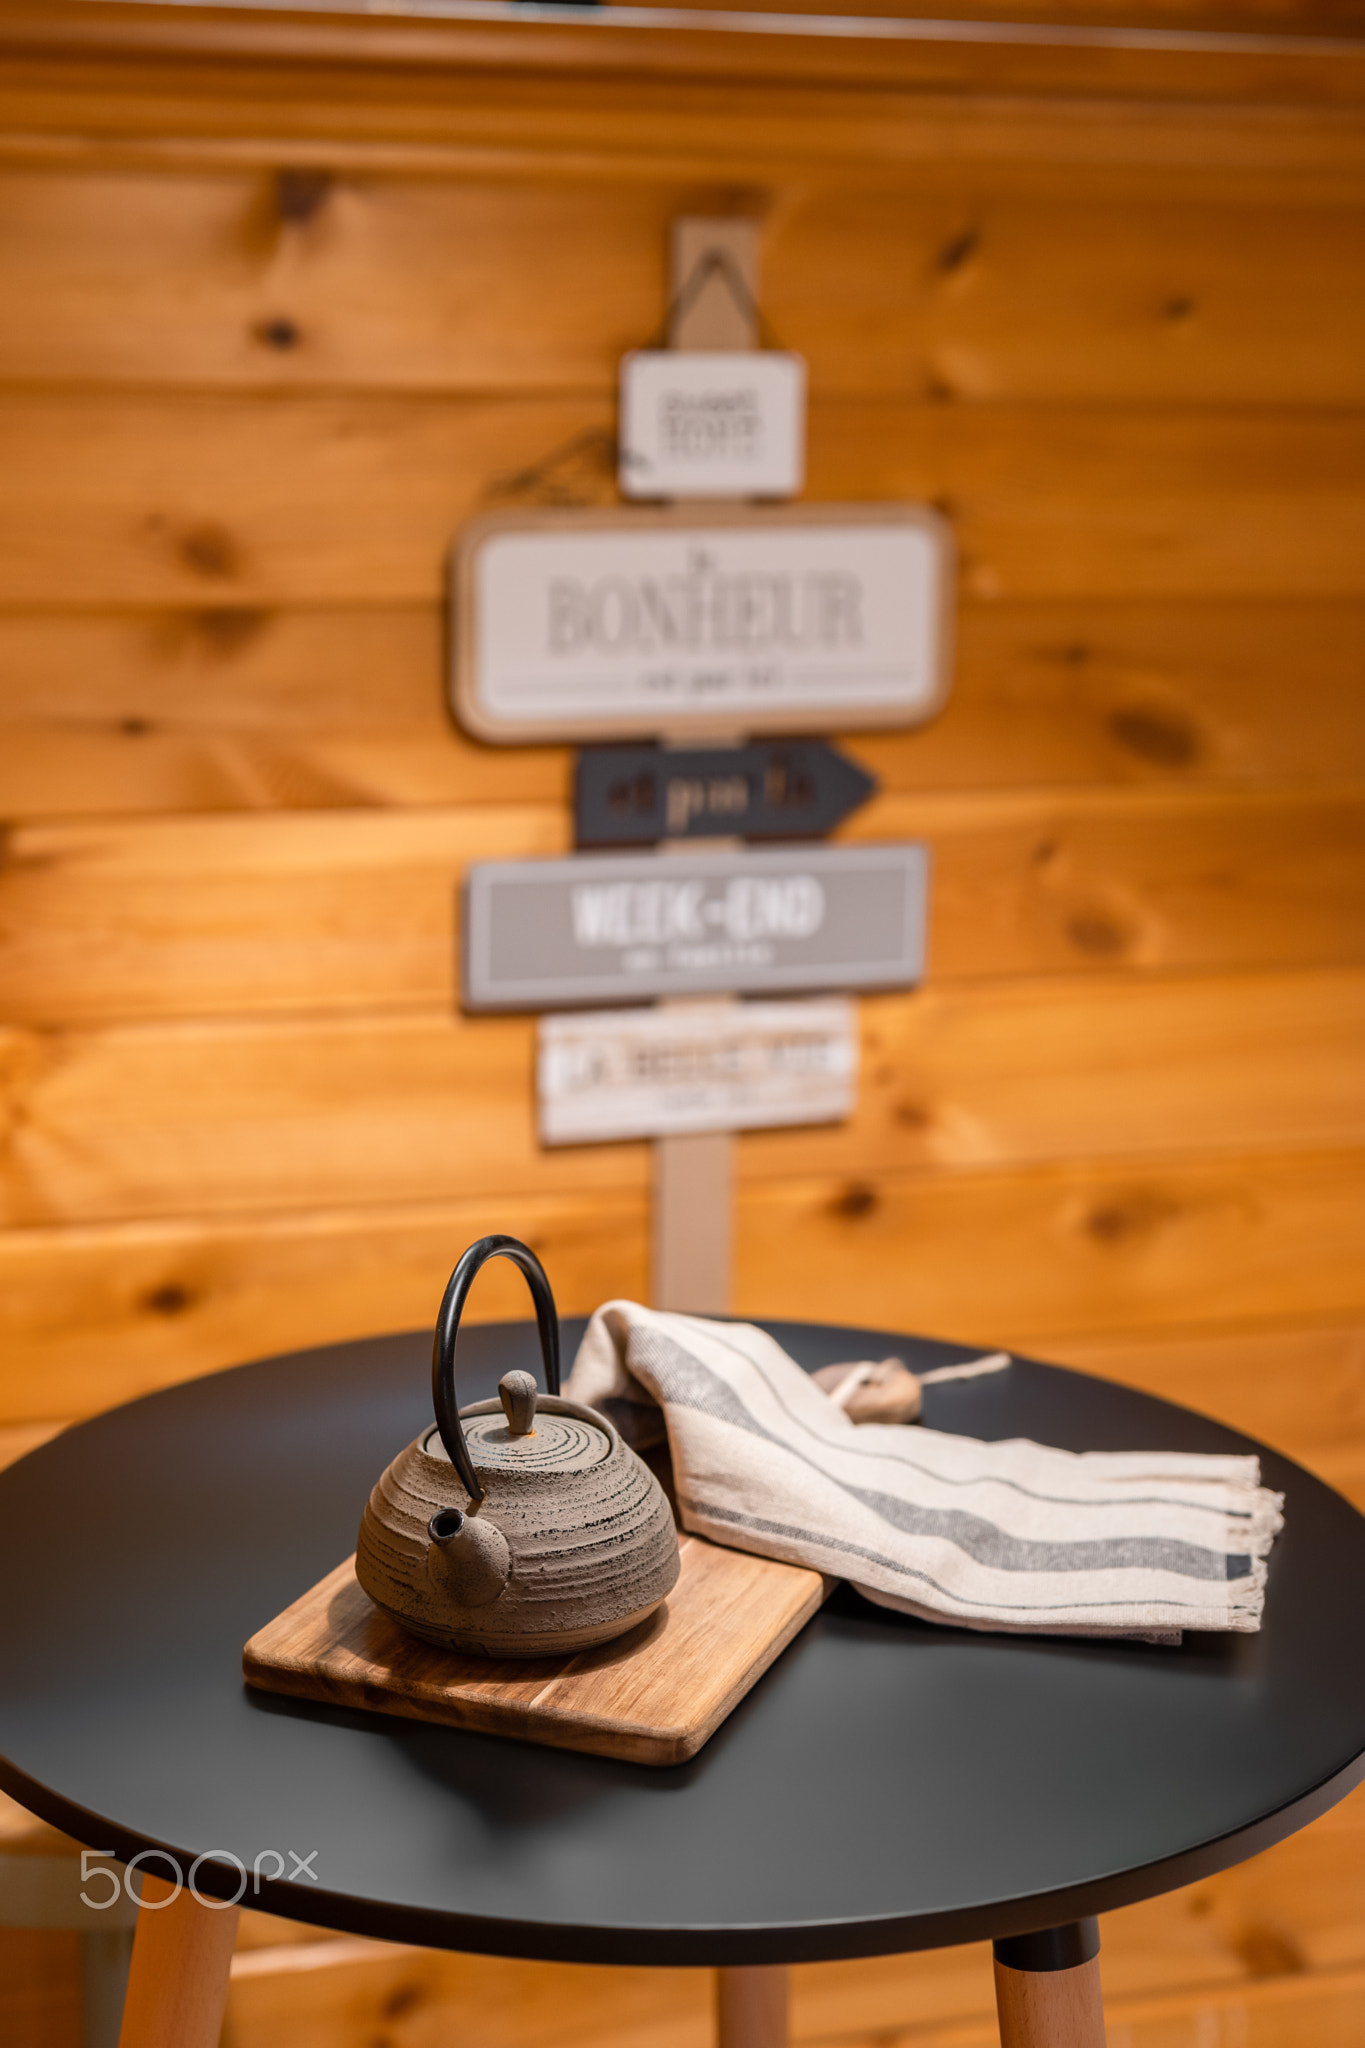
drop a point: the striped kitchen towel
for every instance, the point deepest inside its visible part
(1010, 1536)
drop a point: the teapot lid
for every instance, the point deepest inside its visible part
(527, 1437)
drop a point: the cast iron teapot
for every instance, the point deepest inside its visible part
(522, 1527)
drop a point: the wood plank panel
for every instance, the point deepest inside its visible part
(222, 914)
(340, 1995)
(1002, 1257)
(253, 279)
(97, 1318)
(95, 1315)
(984, 295)
(201, 916)
(1292, 68)
(1113, 504)
(246, 709)
(166, 115)
(1140, 880)
(244, 502)
(1301, 1389)
(261, 280)
(1077, 691)
(992, 1075)
(1324, 2010)
(1267, 17)
(213, 1118)
(40, 2002)
(118, 501)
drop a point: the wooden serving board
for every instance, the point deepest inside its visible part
(653, 1696)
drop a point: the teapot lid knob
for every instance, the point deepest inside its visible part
(517, 1392)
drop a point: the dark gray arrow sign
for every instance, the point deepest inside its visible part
(774, 789)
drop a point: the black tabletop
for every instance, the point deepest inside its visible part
(888, 1785)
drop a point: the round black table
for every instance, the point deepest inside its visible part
(888, 1785)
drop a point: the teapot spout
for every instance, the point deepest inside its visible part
(467, 1559)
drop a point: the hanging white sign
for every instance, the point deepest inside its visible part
(708, 424)
(695, 1067)
(592, 625)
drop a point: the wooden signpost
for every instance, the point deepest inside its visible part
(700, 626)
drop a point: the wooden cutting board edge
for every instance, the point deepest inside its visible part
(324, 1679)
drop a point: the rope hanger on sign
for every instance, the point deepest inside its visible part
(549, 479)
(568, 474)
(715, 263)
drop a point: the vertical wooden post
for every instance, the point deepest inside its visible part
(1047, 1989)
(694, 1174)
(751, 2008)
(693, 1223)
(178, 1984)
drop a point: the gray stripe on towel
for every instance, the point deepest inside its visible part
(686, 1383)
(705, 1511)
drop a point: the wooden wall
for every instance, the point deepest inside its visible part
(280, 305)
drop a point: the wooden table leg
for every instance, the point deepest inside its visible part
(105, 1962)
(751, 2008)
(178, 1984)
(1047, 1988)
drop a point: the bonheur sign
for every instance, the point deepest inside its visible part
(696, 1067)
(599, 929)
(575, 625)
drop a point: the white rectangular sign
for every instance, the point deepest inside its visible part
(696, 1067)
(810, 618)
(710, 425)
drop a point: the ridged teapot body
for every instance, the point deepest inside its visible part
(591, 1545)
(522, 1527)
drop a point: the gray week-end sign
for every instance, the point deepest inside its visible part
(618, 929)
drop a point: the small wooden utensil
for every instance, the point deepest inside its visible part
(888, 1391)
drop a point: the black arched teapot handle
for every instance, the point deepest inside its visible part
(443, 1396)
